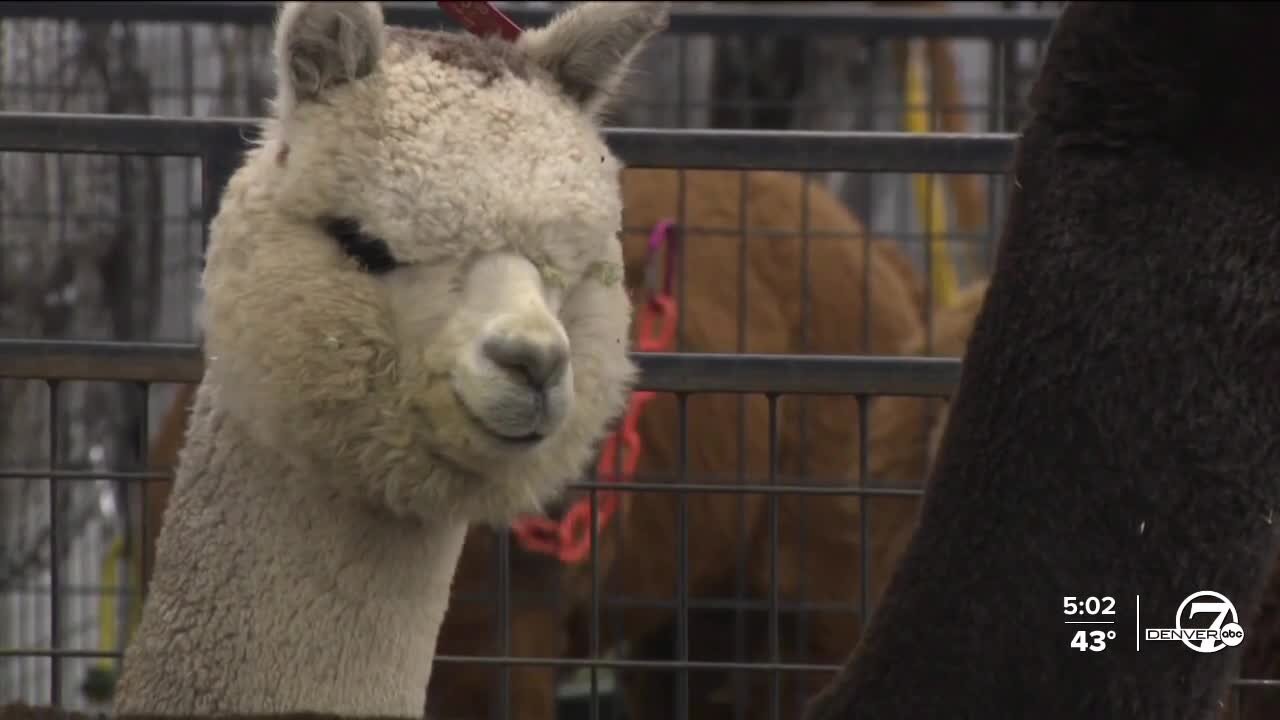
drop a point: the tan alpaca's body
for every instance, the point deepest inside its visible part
(410, 325)
(905, 430)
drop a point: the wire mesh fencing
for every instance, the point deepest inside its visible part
(779, 463)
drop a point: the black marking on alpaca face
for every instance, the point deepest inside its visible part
(372, 254)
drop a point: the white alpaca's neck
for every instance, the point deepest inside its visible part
(272, 594)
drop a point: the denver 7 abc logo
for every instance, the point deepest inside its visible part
(1223, 629)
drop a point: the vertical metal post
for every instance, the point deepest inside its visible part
(55, 553)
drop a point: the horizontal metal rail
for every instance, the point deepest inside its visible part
(672, 486)
(725, 18)
(103, 134)
(796, 151)
(599, 663)
(691, 373)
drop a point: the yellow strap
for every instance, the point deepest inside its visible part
(107, 601)
(108, 621)
(930, 202)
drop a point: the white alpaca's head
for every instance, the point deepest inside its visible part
(416, 277)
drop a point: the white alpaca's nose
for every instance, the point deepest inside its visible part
(539, 362)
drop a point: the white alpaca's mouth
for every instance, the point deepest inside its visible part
(532, 437)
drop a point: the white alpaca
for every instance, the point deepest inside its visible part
(414, 320)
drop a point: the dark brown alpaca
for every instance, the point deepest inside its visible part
(1113, 432)
(900, 417)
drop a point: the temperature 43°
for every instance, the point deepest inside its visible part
(1092, 640)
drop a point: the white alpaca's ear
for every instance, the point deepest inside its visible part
(589, 47)
(320, 45)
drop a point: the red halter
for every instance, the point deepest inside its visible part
(481, 18)
(570, 539)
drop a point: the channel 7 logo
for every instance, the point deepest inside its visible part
(1221, 631)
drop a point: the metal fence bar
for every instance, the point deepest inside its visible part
(657, 484)
(828, 19)
(813, 151)
(661, 372)
(567, 662)
(714, 149)
(102, 134)
(516, 660)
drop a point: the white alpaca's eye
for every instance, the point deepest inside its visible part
(372, 254)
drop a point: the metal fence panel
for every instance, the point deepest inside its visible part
(49, 634)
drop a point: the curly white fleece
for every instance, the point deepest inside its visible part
(330, 470)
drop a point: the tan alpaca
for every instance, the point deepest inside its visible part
(904, 429)
(414, 320)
